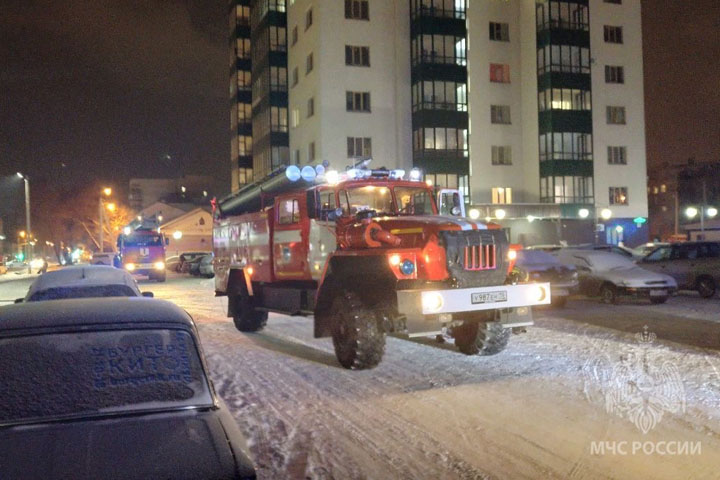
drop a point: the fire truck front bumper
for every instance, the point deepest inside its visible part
(427, 312)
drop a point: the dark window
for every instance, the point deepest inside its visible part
(278, 39)
(500, 114)
(309, 64)
(442, 49)
(562, 15)
(278, 119)
(294, 35)
(614, 74)
(499, 73)
(357, 101)
(617, 155)
(311, 107)
(615, 115)
(295, 76)
(499, 32)
(357, 10)
(566, 146)
(308, 18)
(359, 147)
(613, 34)
(357, 56)
(501, 155)
(618, 196)
(439, 95)
(618, 2)
(311, 151)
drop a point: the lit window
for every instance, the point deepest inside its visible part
(501, 195)
(618, 196)
(499, 73)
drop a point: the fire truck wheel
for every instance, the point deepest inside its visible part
(481, 338)
(246, 317)
(358, 339)
(160, 277)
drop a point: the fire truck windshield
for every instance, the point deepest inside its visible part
(143, 240)
(409, 200)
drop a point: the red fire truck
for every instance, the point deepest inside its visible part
(141, 251)
(367, 254)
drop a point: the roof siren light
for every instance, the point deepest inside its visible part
(292, 172)
(415, 174)
(397, 174)
(308, 173)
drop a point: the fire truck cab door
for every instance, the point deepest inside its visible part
(290, 237)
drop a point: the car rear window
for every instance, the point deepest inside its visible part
(83, 292)
(66, 375)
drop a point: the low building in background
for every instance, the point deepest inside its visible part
(186, 189)
(189, 232)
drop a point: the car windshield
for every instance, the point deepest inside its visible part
(59, 293)
(84, 374)
(610, 261)
(413, 201)
(143, 240)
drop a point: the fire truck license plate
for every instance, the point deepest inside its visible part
(488, 297)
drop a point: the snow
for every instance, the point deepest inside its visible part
(430, 412)
(427, 411)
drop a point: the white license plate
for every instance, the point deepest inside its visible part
(488, 297)
(561, 292)
(658, 293)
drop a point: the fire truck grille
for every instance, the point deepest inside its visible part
(480, 257)
(476, 258)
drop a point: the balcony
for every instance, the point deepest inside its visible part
(430, 11)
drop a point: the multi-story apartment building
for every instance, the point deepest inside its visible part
(240, 94)
(533, 108)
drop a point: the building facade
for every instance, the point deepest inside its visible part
(534, 109)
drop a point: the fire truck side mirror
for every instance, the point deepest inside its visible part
(167, 241)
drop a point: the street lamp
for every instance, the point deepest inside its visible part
(107, 191)
(27, 217)
(500, 213)
(583, 212)
(605, 213)
(711, 212)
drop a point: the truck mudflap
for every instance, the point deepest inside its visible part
(427, 312)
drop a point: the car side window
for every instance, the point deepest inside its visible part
(713, 250)
(685, 252)
(662, 253)
(344, 202)
(327, 203)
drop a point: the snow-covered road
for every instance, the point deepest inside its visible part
(430, 412)
(558, 403)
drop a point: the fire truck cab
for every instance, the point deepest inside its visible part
(368, 254)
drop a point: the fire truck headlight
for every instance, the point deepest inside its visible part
(394, 260)
(431, 301)
(512, 254)
(407, 267)
(159, 265)
(129, 267)
(538, 293)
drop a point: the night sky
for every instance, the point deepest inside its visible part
(103, 90)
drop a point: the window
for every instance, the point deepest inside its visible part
(357, 56)
(618, 2)
(564, 99)
(278, 39)
(563, 58)
(618, 196)
(289, 212)
(357, 10)
(615, 115)
(441, 139)
(245, 175)
(663, 188)
(311, 152)
(244, 113)
(243, 48)
(439, 95)
(499, 73)
(501, 155)
(243, 15)
(501, 195)
(439, 8)
(562, 15)
(359, 147)
(311, 107)
(243, 80)
(278, 119)
(309, 64)
(308, 18)
(244, 145)
(614, 74)
(613, 34)
(499, 32)
(566, 189)
(278, 79)
(500, 114)
(295, 118)
(443, 49)
(295, 76)
(566, 146)
(295, 160)
(617, 155)
(294, 35)
(357, 101)
(327, 205)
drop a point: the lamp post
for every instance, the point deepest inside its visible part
(27, 219)
(107, 191)
(605, 214)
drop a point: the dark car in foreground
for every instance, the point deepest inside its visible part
(540, 266)
(110, 388)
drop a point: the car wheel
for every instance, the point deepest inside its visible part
(608, 294)
(706, 287)
(658, 300)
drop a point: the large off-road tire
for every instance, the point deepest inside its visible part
(705, 286)
(481, 338)
(358, 339)
(245, 316)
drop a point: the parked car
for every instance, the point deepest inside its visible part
(172, 262)
(611, 276)
(205, 266)
(641, 251)
(693, 265)
(187, 258)
(552, 247)
(111, 388)
(83, 281)
(539, 266)
(103, 258)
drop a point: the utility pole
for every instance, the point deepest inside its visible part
(100, 225)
